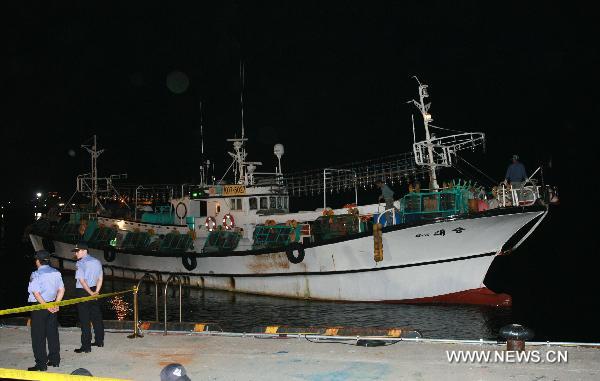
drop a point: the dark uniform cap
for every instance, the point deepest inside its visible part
(174, 372)
(80, 246)
(42, 255)
(81, 372)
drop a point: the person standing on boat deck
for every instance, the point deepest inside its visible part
(45, 285)
(89, 278)
(516, 175)
(387, 194)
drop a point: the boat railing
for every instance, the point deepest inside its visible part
(513, 196)
(544, 193)
(386, 213)
(178, 280)
(523, 196)
(154, 279)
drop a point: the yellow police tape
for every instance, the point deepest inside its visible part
(68, 302)
(16, 374)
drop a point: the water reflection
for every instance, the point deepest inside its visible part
(242, 312)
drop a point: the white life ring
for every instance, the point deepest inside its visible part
(181, 216)
(210, 223)
(228, 221)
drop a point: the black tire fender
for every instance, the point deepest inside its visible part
(189, 261)
(290, 254)
(110, 253)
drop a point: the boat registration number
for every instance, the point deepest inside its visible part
(233, 190)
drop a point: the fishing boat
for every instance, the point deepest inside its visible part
(434, 245)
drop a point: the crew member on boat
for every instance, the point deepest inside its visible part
(516, 175)
(387, 195)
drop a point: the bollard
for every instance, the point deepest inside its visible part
(515, 336)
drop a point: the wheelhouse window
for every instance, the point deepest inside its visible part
(235, 203)
(217, 208)
(203, 208)
(264, 203)
(285, 202)
(253, 203)
(273, 202)
(279, 203)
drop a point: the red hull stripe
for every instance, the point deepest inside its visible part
(482, 296)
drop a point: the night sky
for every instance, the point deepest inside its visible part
(329, 81)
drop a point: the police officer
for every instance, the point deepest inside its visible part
(45, 285)
(88, 278)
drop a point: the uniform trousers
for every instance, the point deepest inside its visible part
(44, 328)
(90, 311)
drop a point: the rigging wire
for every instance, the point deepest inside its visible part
(478, 170)
(459, 171)
(227, 171)
(447, 129)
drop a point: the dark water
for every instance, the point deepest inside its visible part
(241, 312)
(551, 290)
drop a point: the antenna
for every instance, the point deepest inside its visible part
(201, 131)
(203, 170)
(242, 94)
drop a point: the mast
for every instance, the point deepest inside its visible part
(424, 108)
(203, 170)
(436, 151)
(242, 95)
(243, 178)
(94, 152)
(240, 154)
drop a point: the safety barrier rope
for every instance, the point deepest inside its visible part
(68, 302)
(16, 374)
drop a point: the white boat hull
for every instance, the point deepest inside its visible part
(419, 262)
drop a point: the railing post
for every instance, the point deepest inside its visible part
(171, 277)
(156, 298)
(136, 332)
(165, 303)
(180, 295)
(151, 276)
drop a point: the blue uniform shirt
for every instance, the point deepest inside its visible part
(89, 269)
(46, 280)
(516, 172)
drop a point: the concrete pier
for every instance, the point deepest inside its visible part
(247, 358)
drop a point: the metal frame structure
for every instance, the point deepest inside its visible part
(437, 152)
(330, 171)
